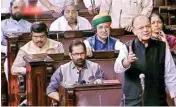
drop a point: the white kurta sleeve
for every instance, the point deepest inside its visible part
(87, 3)
(88, 25)
(55, 26)
(19, 64)
(147, 7)
(86, 42)
(170, 73)
(118, 67)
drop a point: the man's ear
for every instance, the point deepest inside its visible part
(10, 9)
(134, 31)
(70, 55)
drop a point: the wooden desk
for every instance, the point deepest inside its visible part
(4, 89)
(91, 95)
(40, 71)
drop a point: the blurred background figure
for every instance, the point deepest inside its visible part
(14, 24)
(5, 5)
(54, 5)
(93, 6)
(158, 31)
(70, 21)
(123, 11)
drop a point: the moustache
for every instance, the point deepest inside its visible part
(80, 60)
(39, 42)
(104, 33)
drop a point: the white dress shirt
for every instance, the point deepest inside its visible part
(61, 24)
(89, 3)
(123, 11)
(11, 25)
(170, 68)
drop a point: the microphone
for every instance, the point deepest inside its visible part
(142, 76)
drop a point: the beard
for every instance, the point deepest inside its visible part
(17, 16)
(79, 62)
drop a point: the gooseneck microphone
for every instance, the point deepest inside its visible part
(142, 77)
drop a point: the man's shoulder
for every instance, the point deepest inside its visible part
(54, 41)
(157, 42)
(25, 46)
(66, 65)
(112, 38)
(58, 22)
(82, 19)
(91, 37)
(26, 22)
(92, 64)
(60, 19)
(4, 22)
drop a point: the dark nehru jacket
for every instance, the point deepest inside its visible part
(151, 62)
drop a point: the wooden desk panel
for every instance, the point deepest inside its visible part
(91, 95)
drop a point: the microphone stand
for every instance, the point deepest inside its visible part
(142, 97)
(93, 6)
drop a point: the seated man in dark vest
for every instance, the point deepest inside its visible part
(77, 71)
(102, 40)
(151, 58)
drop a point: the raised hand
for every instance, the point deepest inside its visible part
(131, 56)
(129, 28)
(163, 36)
(55, 9)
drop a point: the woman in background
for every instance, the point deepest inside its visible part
(158, 31)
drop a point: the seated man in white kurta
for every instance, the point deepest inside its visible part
(39, 44)
(70, 21)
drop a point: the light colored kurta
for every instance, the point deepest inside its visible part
(61, 24)
(89, 3)
(68, 74)
(123, 11)
(18, 66)
(12, 26)
(58, 3)
(170, 68)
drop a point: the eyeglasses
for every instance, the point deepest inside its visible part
(78, 54)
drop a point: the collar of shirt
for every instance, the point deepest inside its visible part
(16, 22)
(73, 66)
(141, 45)
(77, 26)
(99, 41)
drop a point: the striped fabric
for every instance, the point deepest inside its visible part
(101, 18)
